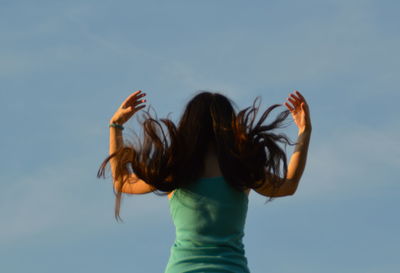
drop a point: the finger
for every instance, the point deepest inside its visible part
(133, 98)
(305, 105)
(139, 108)
(304, 108)
(294, 102)
(123, 104)
(138, 102)
(133, 109)
(295, 97)
(289, 107)
(299, 95)
(138, 97)
(134, 94)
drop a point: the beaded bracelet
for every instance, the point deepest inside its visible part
(115, 125)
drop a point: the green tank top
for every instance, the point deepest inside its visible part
(209, 217)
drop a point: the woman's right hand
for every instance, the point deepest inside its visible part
(129, 107)
(300, 111)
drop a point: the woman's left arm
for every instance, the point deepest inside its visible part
(132, 184)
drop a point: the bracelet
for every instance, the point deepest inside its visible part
(115, 125)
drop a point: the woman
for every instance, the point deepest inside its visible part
(207, 165)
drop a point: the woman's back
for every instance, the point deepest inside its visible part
(209, 216)
(210, 213)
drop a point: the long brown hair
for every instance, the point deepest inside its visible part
(245, 151)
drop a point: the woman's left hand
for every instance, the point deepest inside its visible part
(129, 107)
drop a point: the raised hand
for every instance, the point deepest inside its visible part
(300, 111)
(129, 107)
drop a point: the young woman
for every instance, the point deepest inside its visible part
(207, 165)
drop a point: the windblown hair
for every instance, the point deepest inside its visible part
(245, 151)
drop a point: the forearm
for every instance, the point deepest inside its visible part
(116, 142)
(298, 159)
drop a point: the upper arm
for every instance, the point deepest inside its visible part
(287, 187)
(134, 185)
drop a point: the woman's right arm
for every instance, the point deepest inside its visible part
(296, 168)
(301, 116)
(298, 160)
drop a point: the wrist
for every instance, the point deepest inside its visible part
(114, 121)
(305, 131)
(115, 125)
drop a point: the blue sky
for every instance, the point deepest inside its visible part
(66, 66)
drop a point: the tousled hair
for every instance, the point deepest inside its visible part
(168, 159)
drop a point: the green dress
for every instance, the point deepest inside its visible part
(209, 216)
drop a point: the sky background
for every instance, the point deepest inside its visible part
(66, 66)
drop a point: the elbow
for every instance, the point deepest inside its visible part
(286, 194)
(291, 190)
(118, 188)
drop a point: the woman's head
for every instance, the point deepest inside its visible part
(204, 119)
(173, 157)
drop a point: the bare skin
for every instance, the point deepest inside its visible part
(299, 109)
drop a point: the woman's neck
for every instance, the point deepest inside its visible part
(211, 165)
